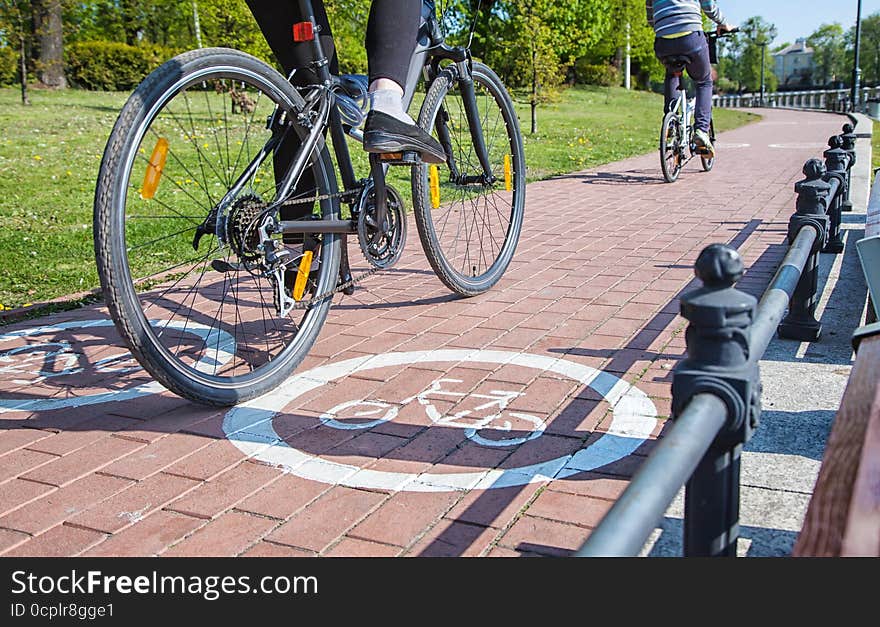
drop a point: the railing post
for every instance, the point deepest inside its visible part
(718, 362)
(849, 145)
(812, 205)
(836, 159)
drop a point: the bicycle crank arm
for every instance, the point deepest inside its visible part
(316, 226)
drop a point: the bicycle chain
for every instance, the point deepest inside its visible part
(307, 304)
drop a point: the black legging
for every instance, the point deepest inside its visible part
(391, 35)
(392, 31)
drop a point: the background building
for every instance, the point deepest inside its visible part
(793, 65)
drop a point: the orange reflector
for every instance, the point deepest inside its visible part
(154, 169)
(303, 31)
(508, 183)
(434, 181)
(302, 275)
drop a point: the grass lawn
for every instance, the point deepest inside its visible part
(50, 153)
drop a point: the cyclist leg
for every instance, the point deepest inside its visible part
(276, 20)
(392, 31)
(700, 70)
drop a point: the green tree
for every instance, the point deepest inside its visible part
(15, 28)
(829, 53)
(870, 48)
(755, 40)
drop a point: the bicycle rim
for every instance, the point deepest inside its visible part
(201, 313)
(470, 231)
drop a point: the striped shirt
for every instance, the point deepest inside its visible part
(672, 17)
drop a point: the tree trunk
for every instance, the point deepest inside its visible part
(48, 35)
(22, 51)
(534, 99)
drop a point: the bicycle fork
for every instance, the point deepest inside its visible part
(475, 124)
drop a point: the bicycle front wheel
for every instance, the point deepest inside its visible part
(183, 188)
(671, 140)
(469, 225)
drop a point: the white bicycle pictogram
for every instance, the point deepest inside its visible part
(35, 363)
(491, 415)
(46, 360)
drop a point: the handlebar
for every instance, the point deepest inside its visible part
(711, 34)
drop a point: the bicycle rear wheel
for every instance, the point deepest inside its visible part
(469, 227)
(709, 162)
(671, 140)
(180, 257)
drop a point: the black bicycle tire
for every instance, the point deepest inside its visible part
(669, 176)
(457, 283)
(111, 257)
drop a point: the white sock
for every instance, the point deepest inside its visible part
(390, 103)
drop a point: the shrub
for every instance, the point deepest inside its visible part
(112, 66)
(603, 74)
(8, 66)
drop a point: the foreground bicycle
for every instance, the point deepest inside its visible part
(219, 273)
(677, 146)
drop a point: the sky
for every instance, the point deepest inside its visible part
(797, 18)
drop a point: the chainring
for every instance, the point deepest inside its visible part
(382, 250)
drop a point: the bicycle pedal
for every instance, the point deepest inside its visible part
(409, 157)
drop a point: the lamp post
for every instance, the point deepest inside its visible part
(763, 45)
(760, 39)
(857, 71)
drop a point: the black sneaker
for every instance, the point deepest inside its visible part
(385, 134)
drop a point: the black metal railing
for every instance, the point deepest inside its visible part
(716, 389)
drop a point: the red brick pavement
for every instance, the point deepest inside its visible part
(603, 256)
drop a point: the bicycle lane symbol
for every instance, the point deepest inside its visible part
(250, 426)
(43, 361)
(488, 415)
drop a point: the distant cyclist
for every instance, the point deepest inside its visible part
(678, 26)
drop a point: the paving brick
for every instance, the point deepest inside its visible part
(148, 537)
(207, 462)
(591, 484)
(269, 549)
(328, 518)
(134, 503)
(544, 537)
(156, 456)
(60, 541)
(21, 461)
(12, 439)
(495, 508)
(569, 508)
(454, 539)
(403, 517)
(62, 504)
(10, 539)
(225, 491)
(86, 433)
(228, 535)
(355, 547)
(283, 498)
(19, 492)
(81, 462)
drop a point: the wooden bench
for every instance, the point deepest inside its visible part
(843, 518)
